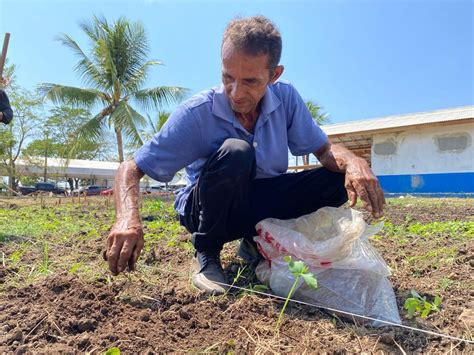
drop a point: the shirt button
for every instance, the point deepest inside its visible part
(255, 144)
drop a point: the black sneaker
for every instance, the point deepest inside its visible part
(208, 274)
(249, 252)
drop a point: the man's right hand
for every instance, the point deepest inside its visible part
(125, 241)
(124, 246)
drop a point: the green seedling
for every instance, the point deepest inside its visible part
(44, 267)
(299, 270)
(419, 304)
(240, 271)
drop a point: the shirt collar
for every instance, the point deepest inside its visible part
(221, 106)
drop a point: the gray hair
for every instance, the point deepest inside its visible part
(255, 36)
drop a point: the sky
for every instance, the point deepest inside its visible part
(359, 59)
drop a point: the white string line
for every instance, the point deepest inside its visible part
(348, 313)
(297, 301)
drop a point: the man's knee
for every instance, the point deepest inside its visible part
(332, 186)
(237, 156)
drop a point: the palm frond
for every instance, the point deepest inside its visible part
(138, 49)
(162, 118)
(158, 97)
(109, 66)
(88, 71)
(129, 121)
(69, 95)
(139, 76)
(316, 112)
(94, 29)
(90, 131)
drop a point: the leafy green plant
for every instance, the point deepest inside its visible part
(299, 270)
(418, 304)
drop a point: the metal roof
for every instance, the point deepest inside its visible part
(72, 168)
(399, 121)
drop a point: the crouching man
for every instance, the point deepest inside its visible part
(233, 141)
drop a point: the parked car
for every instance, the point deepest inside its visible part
(152, 189)
(91, 190)
(107, 192)
(42, 186)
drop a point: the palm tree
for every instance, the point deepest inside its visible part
(153, 127)
(115, 71)
(316, 112)
(320, 117)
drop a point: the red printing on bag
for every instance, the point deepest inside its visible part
(270, 240)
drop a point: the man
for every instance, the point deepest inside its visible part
(234, 141)
(6, 113)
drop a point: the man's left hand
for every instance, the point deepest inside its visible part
(361, 182)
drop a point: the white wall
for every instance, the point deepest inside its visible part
(416, 151)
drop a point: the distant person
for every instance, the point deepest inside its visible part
(233, 141)
(6, 113)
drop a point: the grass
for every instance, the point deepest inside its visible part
(49, 239)
(32, 233)
(45, 239)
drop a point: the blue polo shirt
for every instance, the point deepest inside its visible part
(199, 126)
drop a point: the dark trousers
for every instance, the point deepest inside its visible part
(227, 201)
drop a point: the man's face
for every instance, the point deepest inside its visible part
(245, 78)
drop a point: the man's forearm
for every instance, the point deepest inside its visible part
(126, 192)
(335, 157)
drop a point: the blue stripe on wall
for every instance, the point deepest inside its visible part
(451, 183)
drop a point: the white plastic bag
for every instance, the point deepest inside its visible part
(333, 243)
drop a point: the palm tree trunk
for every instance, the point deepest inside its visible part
(118, 133)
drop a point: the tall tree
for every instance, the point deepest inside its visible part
(27, 109)
(319, 116)
(115, 71)
(59, 137)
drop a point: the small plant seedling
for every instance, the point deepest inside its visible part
(240, 271)
(416, 303)
(299, 270)
(112, 351)
(44, 267)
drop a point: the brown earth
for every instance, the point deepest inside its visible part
(65, 313)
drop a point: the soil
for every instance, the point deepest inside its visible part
(65, 313)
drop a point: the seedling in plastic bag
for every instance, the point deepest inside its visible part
(416, 303)
(299, 269)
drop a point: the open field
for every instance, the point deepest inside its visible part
(57, 295)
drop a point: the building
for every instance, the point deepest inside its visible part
(421, 153)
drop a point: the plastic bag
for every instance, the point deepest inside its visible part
(333, 243)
